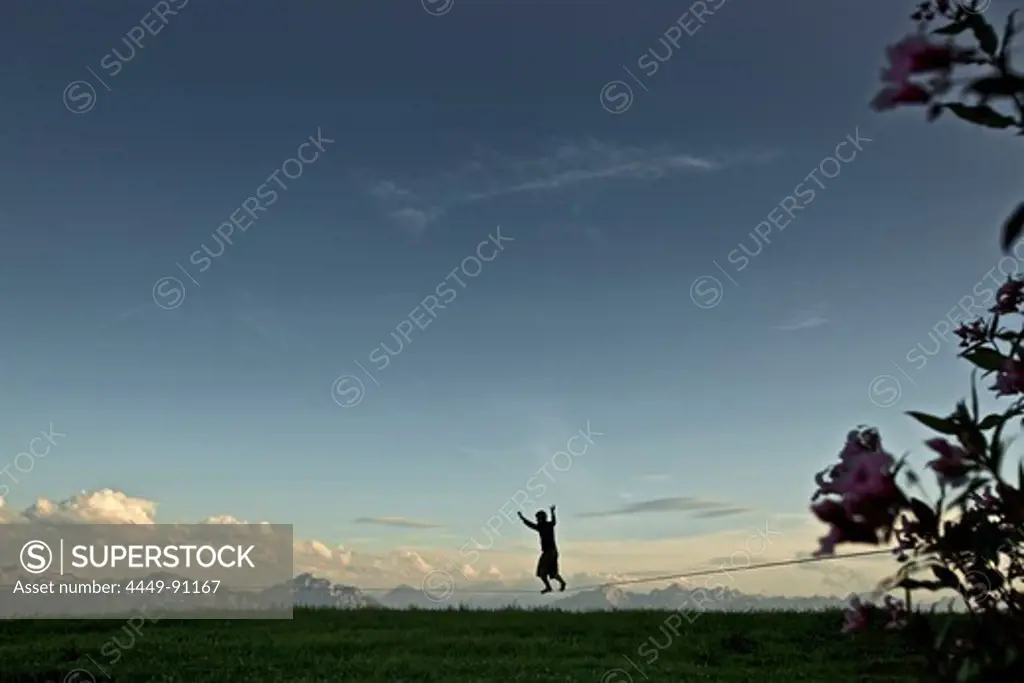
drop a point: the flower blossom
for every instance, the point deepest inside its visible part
(984, 499)
(913, 55)
(972, 334)
(951, 466)
(897, 613)
(865, 485)
(856, 616)
(1010, 380)
(1009, 297)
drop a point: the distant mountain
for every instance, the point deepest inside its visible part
(306, 590)
(596, 600)
(309, 591)
(407, 597)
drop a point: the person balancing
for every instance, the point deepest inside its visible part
(547, 565)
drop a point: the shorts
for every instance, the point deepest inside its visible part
(547, 565)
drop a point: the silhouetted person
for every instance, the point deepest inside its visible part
(547, 565)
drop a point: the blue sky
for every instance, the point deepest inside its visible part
(441, 129)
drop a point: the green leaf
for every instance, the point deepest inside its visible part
(944, 575)
(996, 86)
(925, 515)
(986, 359)
(969, 434)
(960, 413)
(937, 424)
(1008, 32)
(984, 33)
(991, 421)
(1012, 228)
(968, 672)
(975, 412)
(997, 451)
(914, 584)
(982, 115)
(940, 640)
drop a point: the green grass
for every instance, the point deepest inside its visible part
(450, 647)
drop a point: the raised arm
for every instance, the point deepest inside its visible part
(552, 515)
(526, 521)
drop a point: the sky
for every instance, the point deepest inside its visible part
(459, 238)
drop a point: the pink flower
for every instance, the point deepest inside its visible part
(868, 478)
(895, 96)
(1009, 297)
(1010, 380)
(858, 442)
(950, 466)
(985, 499)
(866, 490)
(829, 512)
(915, 54)
(972, 334)
(827, 544)
(855, 616)
(834, 514)
(897, 613)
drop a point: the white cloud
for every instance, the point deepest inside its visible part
(575, 164)
(807, 323)
(416, 221)
(105, 506)
(491, 173)
(222, 519)
(705, 508)
(388, 190)
(805, 320)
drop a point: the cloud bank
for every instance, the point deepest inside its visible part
(400, 522)
(702, 508)
(506, 563)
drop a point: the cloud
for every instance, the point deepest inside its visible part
(509, 564)
(105, 506)
(416, 221)
(389, 191)
(684, 504)
(724, 512)
(805, 320)
(490, 173)
(807, 323)
(638, 165)
(401, 522)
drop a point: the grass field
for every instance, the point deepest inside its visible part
(451, 647)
